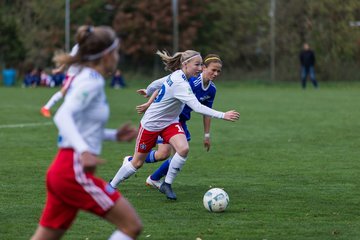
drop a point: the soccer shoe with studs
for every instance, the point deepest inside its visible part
(45, 112)
(167, 190)
(153, 183)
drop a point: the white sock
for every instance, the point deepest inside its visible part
(54, 99)
(176, 164)
(124, 172)
(118, 235)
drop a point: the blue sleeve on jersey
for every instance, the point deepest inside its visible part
(205, 97)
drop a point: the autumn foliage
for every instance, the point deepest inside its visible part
(145, 26)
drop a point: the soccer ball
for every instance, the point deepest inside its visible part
(216, 200)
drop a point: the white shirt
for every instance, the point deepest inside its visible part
(170, 101)
(84, 113)
(73, 69)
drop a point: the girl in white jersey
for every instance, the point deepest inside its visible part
(204, 89)
(162, 118)
(71, 181)
(70, 74)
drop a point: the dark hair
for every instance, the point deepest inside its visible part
(212, 58)
(91, 41)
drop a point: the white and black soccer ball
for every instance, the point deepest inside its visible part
(216, 200)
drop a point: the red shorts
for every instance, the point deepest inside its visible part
(146, 140)
(69, 189)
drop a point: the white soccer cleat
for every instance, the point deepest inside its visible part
(127, 159)
(153, 183)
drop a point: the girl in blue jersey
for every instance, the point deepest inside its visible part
(162, 118)
(205, 91)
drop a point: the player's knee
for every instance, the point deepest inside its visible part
(183, 150)
(162, 155)
(138, 228)
(134, 229)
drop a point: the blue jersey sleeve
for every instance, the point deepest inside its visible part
(205, 97)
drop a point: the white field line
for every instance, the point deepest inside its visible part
(23, 125)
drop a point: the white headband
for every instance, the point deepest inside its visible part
(102, 53)
(191, 58)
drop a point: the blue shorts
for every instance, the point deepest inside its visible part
(186, 131)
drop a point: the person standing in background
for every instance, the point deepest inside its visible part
(117, 80)
(307, 60)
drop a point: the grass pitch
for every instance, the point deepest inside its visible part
(290, 166)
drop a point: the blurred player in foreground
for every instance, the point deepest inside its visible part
(71, 182)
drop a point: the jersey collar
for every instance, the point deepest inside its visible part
(202, 83)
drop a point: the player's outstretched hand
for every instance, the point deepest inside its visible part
(142, 108)
(232, 116)
(126, 133)
(89, 161)
(142, 92)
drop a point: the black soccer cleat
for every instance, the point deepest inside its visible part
(166, 189)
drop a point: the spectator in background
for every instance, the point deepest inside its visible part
(118, 80)
(45, 79)
(36, 77)
(31, 78)
(307, 60)
(57, 78)
(27, 79)
(9, 76)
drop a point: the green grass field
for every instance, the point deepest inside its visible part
(290, 166)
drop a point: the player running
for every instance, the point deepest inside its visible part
(205, 91)
(162, 118)
(71, 182)
(70, 74)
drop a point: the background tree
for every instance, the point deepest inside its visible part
(237, 30)
(145, 26)
(12, 51)
(325, 26)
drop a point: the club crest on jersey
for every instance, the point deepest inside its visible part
(190, 91)
(142, 146)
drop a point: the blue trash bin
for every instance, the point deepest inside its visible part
(9, 76)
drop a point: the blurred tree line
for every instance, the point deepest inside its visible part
(239, 31)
